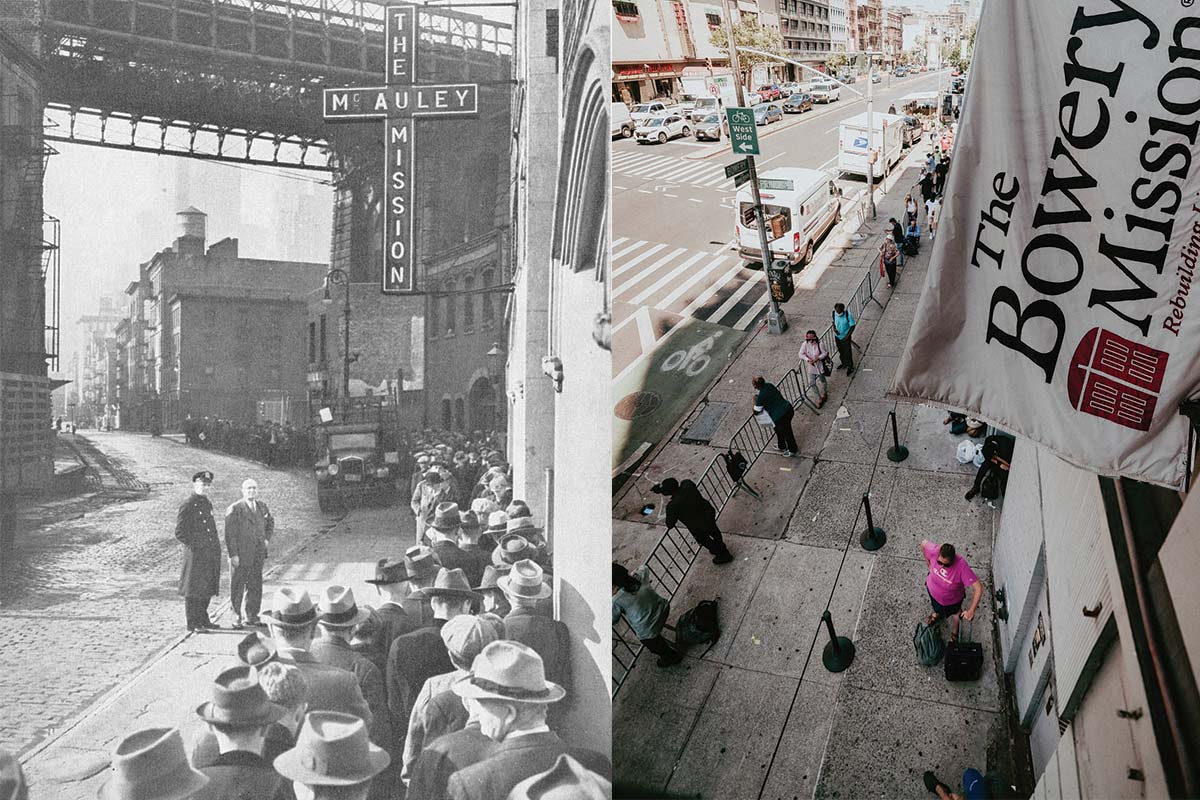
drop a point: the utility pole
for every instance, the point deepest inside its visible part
(776, 320)
(870, 137)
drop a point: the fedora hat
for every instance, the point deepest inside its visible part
(239, 702)
(255, 650)
(151, 763)
(507, 670)
(512, 548)
(566, 780)
(291, 607)
(388, 571)
(420, 562)
(446, 517)
(448, 583)
(518, 508)
(470, 521)
(490, 575)
(522, 525)
(497, 523)
(336, 608)
(524, 580)
(332, 749)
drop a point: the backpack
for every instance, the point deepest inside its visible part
(929, 645)
(958, 426)
(989, 489)
(698, 625)
(735, 464)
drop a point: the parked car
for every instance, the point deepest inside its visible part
(645, 111)
(766, 113)
(876, 77)
(769, 92)
(660, 129)
(826, 92)
(754, 98)
(798, 103)
(705, 106)
(901, 72)
(622, 122)
(711, 127)
(789, 88)
(848, 78)
(686, 103)
(913, 130)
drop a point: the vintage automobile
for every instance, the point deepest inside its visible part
(353, 469)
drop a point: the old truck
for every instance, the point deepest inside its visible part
(353, 468)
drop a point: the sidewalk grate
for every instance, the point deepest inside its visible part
(702, 430)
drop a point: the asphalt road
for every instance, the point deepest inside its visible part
(673, 218)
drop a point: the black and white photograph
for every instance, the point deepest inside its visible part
(304, 356)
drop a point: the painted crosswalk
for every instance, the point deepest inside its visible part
(714, 287)
(670, 169)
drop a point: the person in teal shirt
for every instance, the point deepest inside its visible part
(843, 330)
(768, 399)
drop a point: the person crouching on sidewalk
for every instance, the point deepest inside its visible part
(947, 582)
(645, 610)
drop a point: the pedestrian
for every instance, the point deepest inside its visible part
(843, 336)
(946, 584)
(332, 750)
(497, 526)
(942, 168)
(494, 601)
(813, 353)
(151, 764)
(285, 686)
(508, 691)
(239, 716)
(431, 490)
(422, 567)
(930, 163)
(478, 556)
(770, 401)
(525, 586)
(688, 506)
(997, 460)
(248, 527)
(889, 255)
(645, 610)
(910, 210)
(391, 582)
(200, 573)
(442, 533)
(897, 233)
(933, 209)
(975, 786)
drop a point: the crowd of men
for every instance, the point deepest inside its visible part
(268, 442)
(449, 687)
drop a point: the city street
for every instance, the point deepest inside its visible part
(672, 256)
(90, 595)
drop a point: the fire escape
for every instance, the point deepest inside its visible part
(30, 235)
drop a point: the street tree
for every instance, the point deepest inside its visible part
(836, 62)
(748, 33)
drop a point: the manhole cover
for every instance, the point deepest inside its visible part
(638, 404)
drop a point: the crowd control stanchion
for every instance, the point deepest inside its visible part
(897, 452)
(872, 538)
(839, 653)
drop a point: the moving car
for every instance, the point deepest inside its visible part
(848, 78)
(769, 92)
(901, 72)
(799, 206)
(825, 92)
(766, 113)
(353, 468)
(660, 129)
(798, 103)
(711, 127)
(876, 77)
(622, 122)
(686, 104)
(644, 111)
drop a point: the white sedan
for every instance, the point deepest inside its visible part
(660, 129)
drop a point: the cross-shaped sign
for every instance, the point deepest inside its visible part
(397, 104)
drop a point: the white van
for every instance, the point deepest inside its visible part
(803, 206)
(644, 111)
(887, 140)
(705, 106)
(825, 91)
(622, 122)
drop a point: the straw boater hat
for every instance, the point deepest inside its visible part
(512, 548)
(239, 702)
(566, 780)
(420, 562)
(446, 517)
(508, 671)
(490, 576)
(256, 649)
(151, 763)
(332, 749)
(337, 608)
(524, 580)
(291, 608)
(497, 523)
(388, 571)
(448, 583)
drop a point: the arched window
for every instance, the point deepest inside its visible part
(435, 316)
(459, 414)
(468, 303)
(487, 312)
(446, 418)
(451, 323)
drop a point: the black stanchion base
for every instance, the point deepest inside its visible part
(838, 660)
(897, 453)
(873, 539)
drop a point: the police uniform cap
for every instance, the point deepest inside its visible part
(203, 475)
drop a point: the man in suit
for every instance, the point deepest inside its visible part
(443, 537)
(239, 715)
(248, 527)
(445, 756)
(431, 490)
(292, 621)
(422, 567)
(525, 587)
(200, 573)
(391, 581)
(478, 557)
(507, 690)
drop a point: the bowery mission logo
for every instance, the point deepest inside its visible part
(1116, 379)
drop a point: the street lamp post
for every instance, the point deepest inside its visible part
(339, 276)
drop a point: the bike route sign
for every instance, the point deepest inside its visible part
(743, 132)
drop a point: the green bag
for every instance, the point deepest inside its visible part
(929, 645)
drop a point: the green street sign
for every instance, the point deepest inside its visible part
(743, 133)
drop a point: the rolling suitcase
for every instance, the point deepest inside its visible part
(964, 659)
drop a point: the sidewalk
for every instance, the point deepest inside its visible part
(758, 715)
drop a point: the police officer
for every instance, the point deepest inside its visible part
(200, 574)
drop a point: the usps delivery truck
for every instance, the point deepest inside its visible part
(887, 142)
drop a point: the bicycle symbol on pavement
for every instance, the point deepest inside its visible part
(692, 361)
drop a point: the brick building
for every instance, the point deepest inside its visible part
(94, 380)
(866, 23)
(893, 35)
(209, 332)
(805, 27)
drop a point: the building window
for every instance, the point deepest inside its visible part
(324, 342)
(625, 10)
(434, 314)
(468, 303)
(449, 317)
(487, 310)
(312, 342)
(446, 418)
(459, 414)
(714, 20)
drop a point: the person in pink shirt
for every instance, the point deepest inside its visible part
(947, 582)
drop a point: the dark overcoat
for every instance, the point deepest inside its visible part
(200, 575)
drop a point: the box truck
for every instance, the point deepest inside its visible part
(886, 143)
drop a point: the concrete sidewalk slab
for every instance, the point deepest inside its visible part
(674, 460)
(930, 505)
(633, 541)
(890, 337)
(797, 763)
(857, 439)
(873, 376)
(829, 506)
(931, 446)
(779, 480)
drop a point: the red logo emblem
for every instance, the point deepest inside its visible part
(1116, 379)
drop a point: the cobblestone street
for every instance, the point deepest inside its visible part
(89, 595)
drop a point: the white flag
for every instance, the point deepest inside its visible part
(1058, 302)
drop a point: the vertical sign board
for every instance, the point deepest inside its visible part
(397, 104)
